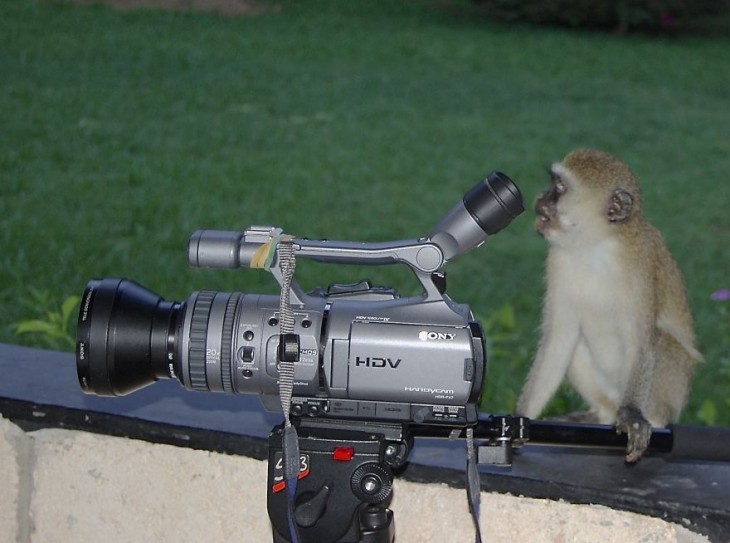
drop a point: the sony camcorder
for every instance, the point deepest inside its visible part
(361, 352)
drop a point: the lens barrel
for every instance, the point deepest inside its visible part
(126, 337)
(206, 341)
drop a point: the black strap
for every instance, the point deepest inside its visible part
(473, 484)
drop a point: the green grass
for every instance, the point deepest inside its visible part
(122, 132)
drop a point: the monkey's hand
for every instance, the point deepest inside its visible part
(631, 421)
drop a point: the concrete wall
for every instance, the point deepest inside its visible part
(67, 486)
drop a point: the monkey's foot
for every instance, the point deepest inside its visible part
(631, 421)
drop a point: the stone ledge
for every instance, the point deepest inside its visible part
(39, 391)
(87, 488)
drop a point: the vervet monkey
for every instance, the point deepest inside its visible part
(616, 320)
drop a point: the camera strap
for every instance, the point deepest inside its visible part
(290, 441)
(473, 485)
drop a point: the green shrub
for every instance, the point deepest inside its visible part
(54, 325)
(617, 15)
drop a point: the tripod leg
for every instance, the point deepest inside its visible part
(278, 538)
(376, 524)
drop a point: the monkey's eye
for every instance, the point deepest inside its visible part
(558, 183)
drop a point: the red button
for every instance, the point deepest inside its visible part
(343, 454)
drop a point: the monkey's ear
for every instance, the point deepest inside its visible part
(619, 205)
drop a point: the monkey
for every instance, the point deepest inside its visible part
(616, 321)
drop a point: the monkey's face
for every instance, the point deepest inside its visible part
(574, 209)
(556, 207)
(546, 206)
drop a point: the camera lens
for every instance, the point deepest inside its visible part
(126, 337)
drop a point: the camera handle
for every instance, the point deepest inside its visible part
(256, 247)
(422, 256)
(345, 481)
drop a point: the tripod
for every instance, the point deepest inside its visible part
(346, 471)
(345, 481)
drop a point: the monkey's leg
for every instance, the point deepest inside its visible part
(664, 393)
(672, 380)
(591, 384)
(617, 379)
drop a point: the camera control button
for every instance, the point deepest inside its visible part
(394, 411)
(246, 354)
(366, 409)
(343, 408)
(468, 369)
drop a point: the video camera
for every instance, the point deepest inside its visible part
(363, 352)
(368, 364)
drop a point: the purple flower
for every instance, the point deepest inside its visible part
(721, 295)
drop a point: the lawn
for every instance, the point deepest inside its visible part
(121, 132)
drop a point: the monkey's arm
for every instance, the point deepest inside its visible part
(630, 418)
(551, 363)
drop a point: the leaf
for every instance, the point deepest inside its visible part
(68, 308)
(35, 326)
(506, 316)
(708, 412)
(53, 324)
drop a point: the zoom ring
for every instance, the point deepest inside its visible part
(227, 362)
(198, 338)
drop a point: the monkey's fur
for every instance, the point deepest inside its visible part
(616, 320)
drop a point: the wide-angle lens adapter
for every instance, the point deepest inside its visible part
(126, 337)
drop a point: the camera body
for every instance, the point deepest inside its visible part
(362, 352)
